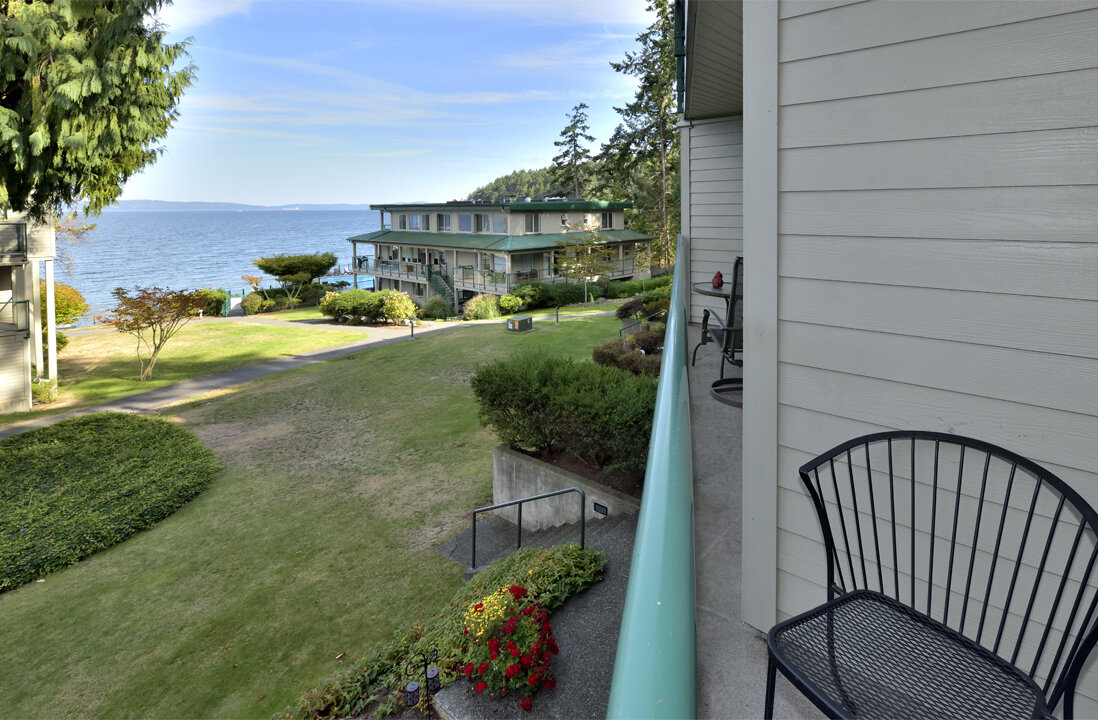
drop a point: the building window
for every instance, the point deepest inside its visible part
(420, 289)
(608, 221)
(465, 222)
(482, 223)
(426, 221)
(444, 222)
(533, 223)
(403, 220)
(413, 222)
(564, 219)
(499, 224)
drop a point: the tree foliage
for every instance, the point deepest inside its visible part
(521, 184)
(640, 162)
(153, 315)
(295, 271)
(68, 302)
(582, 255)
(70, 232)
(571, 166)
(87, 90)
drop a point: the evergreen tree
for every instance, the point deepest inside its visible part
(520, 184)
(572, 164)
(640, 162)
(87, 89)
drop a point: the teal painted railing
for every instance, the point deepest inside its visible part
(655, 672)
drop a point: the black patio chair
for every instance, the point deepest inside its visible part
(960, 584)
(729, 336)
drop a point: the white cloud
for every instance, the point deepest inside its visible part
(185, 15)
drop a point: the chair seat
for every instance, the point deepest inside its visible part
(865, 655)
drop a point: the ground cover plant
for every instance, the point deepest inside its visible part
(546, 578)
(99, 365)
(314, 543)
(80, 486)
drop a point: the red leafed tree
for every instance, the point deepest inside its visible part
(153, 315)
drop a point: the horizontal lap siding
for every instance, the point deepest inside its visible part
(938, 239)
(715, 169)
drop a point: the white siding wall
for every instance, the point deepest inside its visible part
(712, 202)
(938, 239)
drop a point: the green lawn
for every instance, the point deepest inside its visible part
(307, 313)
(101, 366)
(316, 540)
(609, 306)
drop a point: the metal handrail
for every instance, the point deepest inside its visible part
(520, 501)
(10, 315)
(655, 666)
(629, 328)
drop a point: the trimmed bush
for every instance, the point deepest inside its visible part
(44, 392)
(629, 288)
(72, 489)
(437, 307)
(533, 295)
(630, 309)
(660, 293)
(509, 304)
(374, 681)
(252, 303)
(482, 307)
(613, 354)
(650, 341)
(601, 415)
(561, 294)
(215, 300)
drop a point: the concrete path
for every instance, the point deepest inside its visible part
(168, 395)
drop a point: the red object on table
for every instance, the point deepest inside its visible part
(718, 280)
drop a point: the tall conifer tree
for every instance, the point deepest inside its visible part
(640, 162)
(87, 90)
(572, 164)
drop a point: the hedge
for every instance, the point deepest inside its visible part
(537, 402)
(85, 484)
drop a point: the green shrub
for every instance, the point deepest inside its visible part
(613, 354)
(437, 307)
(215, 300)
(630, 309)
(354, 304)
(561, 294)
(550, 576)
(252, 303)
(509, 304)
(85, 484)
(533, 295)
(482, 307)
(629, 288)
(607, 353)
(660, 293)
(396, 306)
(601, 415)
(44, 392)
(650, 341)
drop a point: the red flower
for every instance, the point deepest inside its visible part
(515, 652)
(550, 682)
(553, 646)
(466, 632)
(478, 607)
(518, 592)
(546, 656)
(481, 686)
(527, 703)
(509, 626)
(493, 654)
(546, 627)
(511, 645)
(482, 668)
(534, 680)
(469, 669)
(528, 610)
(512, 670)
(493, 644)
(527, 661)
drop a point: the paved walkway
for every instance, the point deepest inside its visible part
(168, 395)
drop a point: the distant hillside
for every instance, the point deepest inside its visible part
(146, 205)
(520, 184)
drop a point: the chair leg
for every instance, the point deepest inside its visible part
(695, 356)
(771, 673)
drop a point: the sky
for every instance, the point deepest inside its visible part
(381, 101)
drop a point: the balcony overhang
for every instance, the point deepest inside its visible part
(714, 59)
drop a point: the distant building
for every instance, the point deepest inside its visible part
(23, 245)
(460, 249)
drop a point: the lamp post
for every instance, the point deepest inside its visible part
(418, 661)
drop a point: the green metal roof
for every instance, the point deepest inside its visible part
(542, 206)
(495, 243)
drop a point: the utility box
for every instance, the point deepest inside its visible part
(520, 323)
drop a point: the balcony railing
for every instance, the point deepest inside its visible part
(15, 317)
(469, 278)
(13, 239)
(654, 671)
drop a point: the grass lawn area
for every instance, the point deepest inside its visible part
(609, 306)
(316, 539)
(307, 313)
(101, 366)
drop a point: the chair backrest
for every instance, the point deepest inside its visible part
(734, 348)
(975, 536)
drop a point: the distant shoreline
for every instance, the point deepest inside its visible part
(168, 205)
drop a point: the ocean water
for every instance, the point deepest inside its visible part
(197, 249)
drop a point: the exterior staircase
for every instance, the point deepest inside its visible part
(440, 282)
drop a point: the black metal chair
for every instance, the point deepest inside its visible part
(961, 584)
(729, 336)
